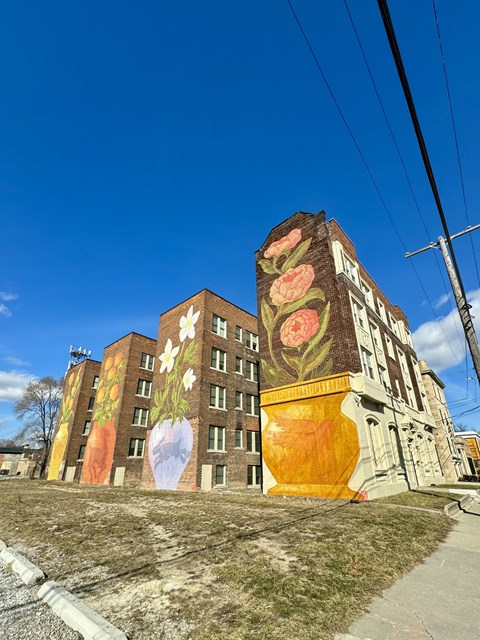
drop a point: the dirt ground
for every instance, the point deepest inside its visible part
(204, 566)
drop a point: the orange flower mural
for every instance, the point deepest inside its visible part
(101, 441)
(305, 351)
(61, 438)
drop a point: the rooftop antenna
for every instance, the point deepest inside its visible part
(78, 355)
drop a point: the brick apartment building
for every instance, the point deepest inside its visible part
(104, 428)
(207, 358)
(343, 404)
(74, 421)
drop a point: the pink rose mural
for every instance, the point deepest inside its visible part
(299, 327)
(293, 285)
(295, 312)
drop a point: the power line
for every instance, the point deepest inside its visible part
(454, 133)
(365, 164)
(400, 157)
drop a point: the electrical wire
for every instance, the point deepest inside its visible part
(400, 157)
(365, 164)
(454, 128)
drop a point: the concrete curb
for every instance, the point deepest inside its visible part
(28, 572)
(2, 545)
(78, 615)
(454, 509)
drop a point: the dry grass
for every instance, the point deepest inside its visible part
(424, 499)
(207, 566)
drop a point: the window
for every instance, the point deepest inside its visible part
(251, 371)
(358, 313)
(394, 326)
(251, 341)
(217, 397)
(144, 388)
(147, 361)
(95, 382)
(374, 430)
(238, 333)
(395, 445)
(216, 438)
(382, 374)
(254, 475)
(390, 351)
(81, 452)
(238, 365)
(91, 402)
(140, 417)
(408, 337)
(219, 360)
(86, 427)
(367, 292)
(252, 405)
(238, 438)
(221, 475)
(219, 326)
(253, 441)
(367, 364)
(135, 450)
(238, 400)
(381, 311)
(350, 269)
(376, 337)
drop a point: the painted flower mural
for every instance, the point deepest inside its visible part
(60, 442)
(288, 317)
(171, 441)
(101, 441)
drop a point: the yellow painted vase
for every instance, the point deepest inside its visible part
(310, 446)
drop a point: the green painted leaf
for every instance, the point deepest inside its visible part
(267, 266)
(293, 361)
(323, 321)
(326, 370)
(267, 316)
(296, 255)
(312, 294)
(319, 358)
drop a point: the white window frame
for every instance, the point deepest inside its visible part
(143, 417)
(237, 432)
(253, 441)
(368, 364)
(216, 360)
(219, 397)
(90, 408)
(358, 313)
(251, 371)
(224, 474)
(95, 382)
(146, 386)
(256, 474)
(147, 362)
(238, 333)
(350, 268)
(86, 429)
(219, 326)
(251, 341)
(139, 445)
(81, 453)
(381, 311)
(252, 405)
(239, 400)
(238, 361)
(390, 349)
(218, 438)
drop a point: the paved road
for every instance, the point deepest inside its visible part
(438, 600)
(23, 616)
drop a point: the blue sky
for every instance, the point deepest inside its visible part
(148, 148)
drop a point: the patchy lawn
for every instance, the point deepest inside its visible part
(424, 499)
(214, 565)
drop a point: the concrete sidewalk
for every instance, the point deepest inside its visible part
(438, 600)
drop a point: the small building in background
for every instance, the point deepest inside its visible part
(450, 462)
(472, 442)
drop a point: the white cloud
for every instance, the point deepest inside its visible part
(5, 311)
(7, 297)
(442, 300)
(12, 384)
(16, 362)
(442, 343)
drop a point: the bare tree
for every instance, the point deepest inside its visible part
(38, 408)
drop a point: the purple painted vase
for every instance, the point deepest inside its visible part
(169, 451)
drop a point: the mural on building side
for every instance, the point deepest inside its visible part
(171, 440)
(310, 447)
(287, 316)
(101, 441)
(59, 446)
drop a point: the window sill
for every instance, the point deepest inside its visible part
(253, 453)
(217, 408)
(145, 369)
(134, 457)
(216, 451)
(220, 370)
(253, 415)
(137, 395)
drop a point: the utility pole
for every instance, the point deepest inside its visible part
(462, 304)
